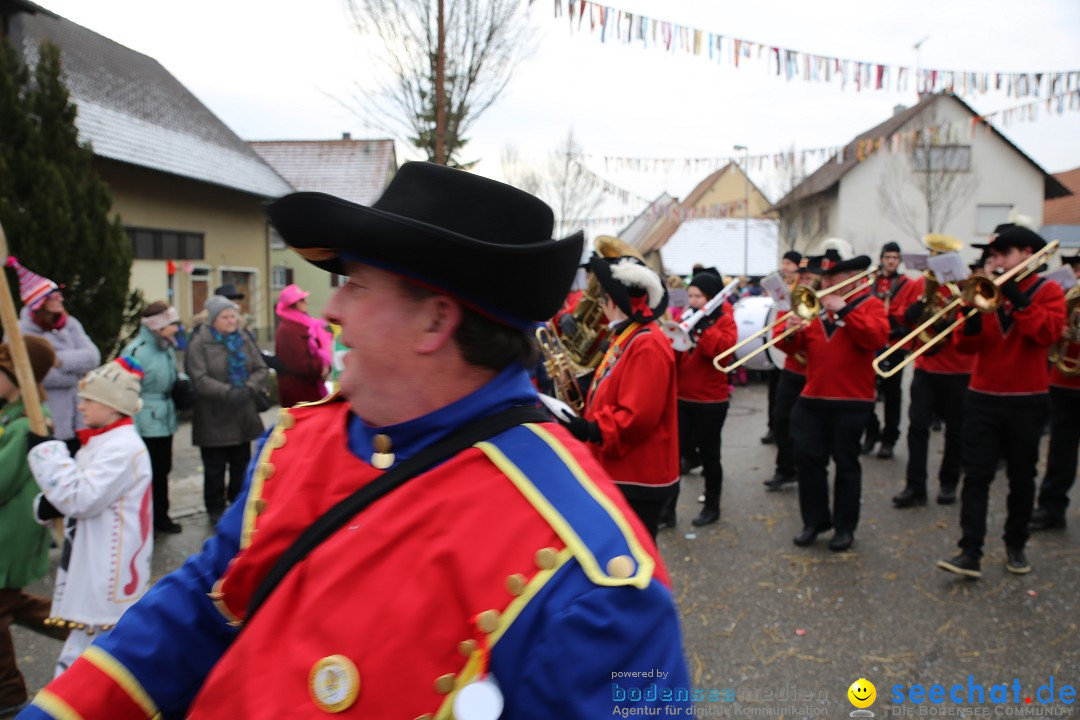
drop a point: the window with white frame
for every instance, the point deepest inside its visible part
(946, 158)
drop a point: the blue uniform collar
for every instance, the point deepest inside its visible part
(510, 388)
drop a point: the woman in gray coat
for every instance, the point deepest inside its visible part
(228, 373)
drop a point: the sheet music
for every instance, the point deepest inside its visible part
(775, 287)
(916, 261)
(949, 267)
(678, 298)
(1063, 276)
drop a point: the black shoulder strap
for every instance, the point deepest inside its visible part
(339, 514)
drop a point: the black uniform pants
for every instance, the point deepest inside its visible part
(648, 503)
(1062, 457)
(935, 395)
(700, 426)
(787, 392)
(824, 429)
(996, 427)
(890, 392)
(773, 377)
(160, 450)
(215, 461)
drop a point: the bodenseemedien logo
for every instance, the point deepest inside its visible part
(862, 694)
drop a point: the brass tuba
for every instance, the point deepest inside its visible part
(585, 346)
(1068, 363)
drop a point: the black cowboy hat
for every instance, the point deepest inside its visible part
(486, 243)
(1072, 259)
(1010, 235)
(855, 264)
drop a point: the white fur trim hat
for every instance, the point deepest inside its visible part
(117, 384)
(633, 286)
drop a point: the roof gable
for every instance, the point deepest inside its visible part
(132, 110)
(354, 170)
(829, 174)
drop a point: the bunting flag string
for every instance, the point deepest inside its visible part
(674, 212)
(897, 142)
(615, 25)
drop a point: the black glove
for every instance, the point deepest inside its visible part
(33, 440)
(1012, 291)
(584, 430)
(914, 313)
(973, 325)
(238, 395)
(567, 324)
(46, 510)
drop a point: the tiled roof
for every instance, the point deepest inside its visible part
(1065, 210)
(132, 110)
(354, 170)
(830, 173)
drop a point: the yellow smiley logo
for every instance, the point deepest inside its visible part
(862, 693)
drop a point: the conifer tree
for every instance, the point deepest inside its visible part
(53, 205)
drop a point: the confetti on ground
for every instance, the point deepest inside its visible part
(800, 631)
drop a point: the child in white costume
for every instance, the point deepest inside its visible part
(104, 494)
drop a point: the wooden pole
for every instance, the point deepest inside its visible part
(440, 87)
(24, 373)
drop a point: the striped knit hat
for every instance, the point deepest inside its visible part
(33, 288)
(117, 384)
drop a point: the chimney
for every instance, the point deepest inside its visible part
(897, 109)
(346, 136)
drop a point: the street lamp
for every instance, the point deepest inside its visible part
(746, 210)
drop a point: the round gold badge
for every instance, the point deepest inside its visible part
(334, 683)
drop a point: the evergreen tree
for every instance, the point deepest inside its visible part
(53, 205)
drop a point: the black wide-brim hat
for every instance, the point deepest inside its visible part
(1009, 235)
(486, 243)
(855, 264)
(1071, 260)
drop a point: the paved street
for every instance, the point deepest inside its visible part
(789, 629)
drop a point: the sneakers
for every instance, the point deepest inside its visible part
(885, 452)
(962, 564)
(1016, 562)
(1043, 520)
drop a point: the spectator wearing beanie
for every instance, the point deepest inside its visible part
(24, 556)
(43, 315)
(106, 494)
(155, 350)
(304, 345)
(228, 373)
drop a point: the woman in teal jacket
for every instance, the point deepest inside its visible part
(24, 544)
(155, 349)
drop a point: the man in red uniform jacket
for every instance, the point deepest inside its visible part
(1064, 434)
(937, 390)
(832, 410)
(630, 413)
(1006, 402)
(703, 390)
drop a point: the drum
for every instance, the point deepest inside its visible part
(776, 355)
(751, 313)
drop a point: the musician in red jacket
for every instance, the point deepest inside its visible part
(630, 417)
(1064, 433)
(703, 390)
(938, 386)
(1006, 402)
(789, 386)
(833, 408)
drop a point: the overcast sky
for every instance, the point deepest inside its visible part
(271, 69)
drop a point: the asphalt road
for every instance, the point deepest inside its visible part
(783, 631)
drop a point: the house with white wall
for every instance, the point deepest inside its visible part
(933, 167)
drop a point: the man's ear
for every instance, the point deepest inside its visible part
(440, 316)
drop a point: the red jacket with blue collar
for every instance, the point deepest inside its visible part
(699, 380)
(839, 351)
(516, 556)
(633, 403)
(1010, 349)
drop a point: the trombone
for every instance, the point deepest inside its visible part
(979, 293)
(806, 303)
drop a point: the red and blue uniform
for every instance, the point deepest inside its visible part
(516, 557)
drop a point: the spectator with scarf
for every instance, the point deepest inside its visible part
(228, 373)
(43, 315)
(303, 344)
